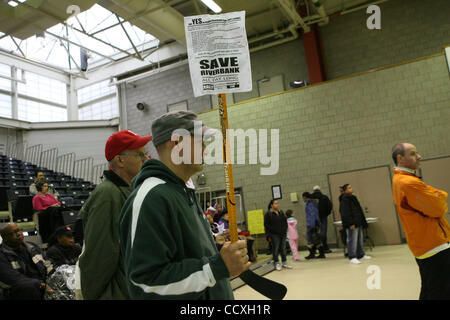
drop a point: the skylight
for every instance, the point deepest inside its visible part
(51, 47)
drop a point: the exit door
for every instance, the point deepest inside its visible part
(373, 188)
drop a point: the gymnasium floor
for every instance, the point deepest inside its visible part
(334, 278)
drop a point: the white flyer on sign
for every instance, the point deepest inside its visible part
(219, 59)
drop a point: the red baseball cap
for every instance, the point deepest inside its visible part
(123, 140)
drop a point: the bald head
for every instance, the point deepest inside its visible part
(405, 155)
(7, 228)
(398, 149)
(11, 235)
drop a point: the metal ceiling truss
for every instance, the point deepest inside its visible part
(137, 54)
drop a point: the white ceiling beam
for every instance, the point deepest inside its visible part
(166, 52)
(25, 125)
(33, 66)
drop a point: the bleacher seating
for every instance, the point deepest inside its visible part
(16, 203)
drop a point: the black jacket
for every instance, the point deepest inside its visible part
(351, 212)
(325, 205)
(13, 268)
(275, 224)
(60, 255)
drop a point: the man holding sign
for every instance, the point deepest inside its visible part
(219, 63)
(165, 238)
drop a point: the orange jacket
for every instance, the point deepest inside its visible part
(422, 210)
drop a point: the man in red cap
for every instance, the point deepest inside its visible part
(101, 269)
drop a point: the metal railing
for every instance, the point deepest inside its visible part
(33, 154)
(97, 172)
(204, 195)
(16, 150)
(83, 168)
(65, 163)
(48, 159)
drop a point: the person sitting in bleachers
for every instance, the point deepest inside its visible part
(62, 247)
(219, 212)
(41, 177)
(24, 268)
(49, 211)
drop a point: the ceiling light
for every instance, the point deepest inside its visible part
(13, 3)
(212, 5)
(298, 83)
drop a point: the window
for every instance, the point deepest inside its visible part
(43, 88)
(5, 70)
(5, 106)
(41, 99)
(103, 110)
(95, 91)
(98, 102)
(180, 106)
(33, 111)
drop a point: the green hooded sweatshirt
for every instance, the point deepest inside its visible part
(168, 248)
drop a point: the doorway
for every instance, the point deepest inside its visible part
(373, 188)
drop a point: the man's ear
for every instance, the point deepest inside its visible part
(118, 161)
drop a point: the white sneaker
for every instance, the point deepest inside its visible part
(285, 265)
(355, 261)
(366, 258)
(278, 266)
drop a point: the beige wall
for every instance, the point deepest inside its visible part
(341, 125)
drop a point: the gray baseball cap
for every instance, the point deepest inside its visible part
(164, 126)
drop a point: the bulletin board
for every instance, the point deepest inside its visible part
(255, 219)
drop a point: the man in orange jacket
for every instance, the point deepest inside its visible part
(422, 210)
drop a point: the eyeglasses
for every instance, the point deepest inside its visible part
(13, 232)
(142, 155)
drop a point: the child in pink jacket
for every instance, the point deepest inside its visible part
(292, 234)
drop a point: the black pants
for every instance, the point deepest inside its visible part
(25, 292)
(49, 220)
(278, 247)
(435, 276)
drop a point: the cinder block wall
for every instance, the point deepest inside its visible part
(287, 59)
(409, 29)
(341, 125)
(157, 92)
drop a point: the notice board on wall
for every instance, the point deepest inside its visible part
(255, 220)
